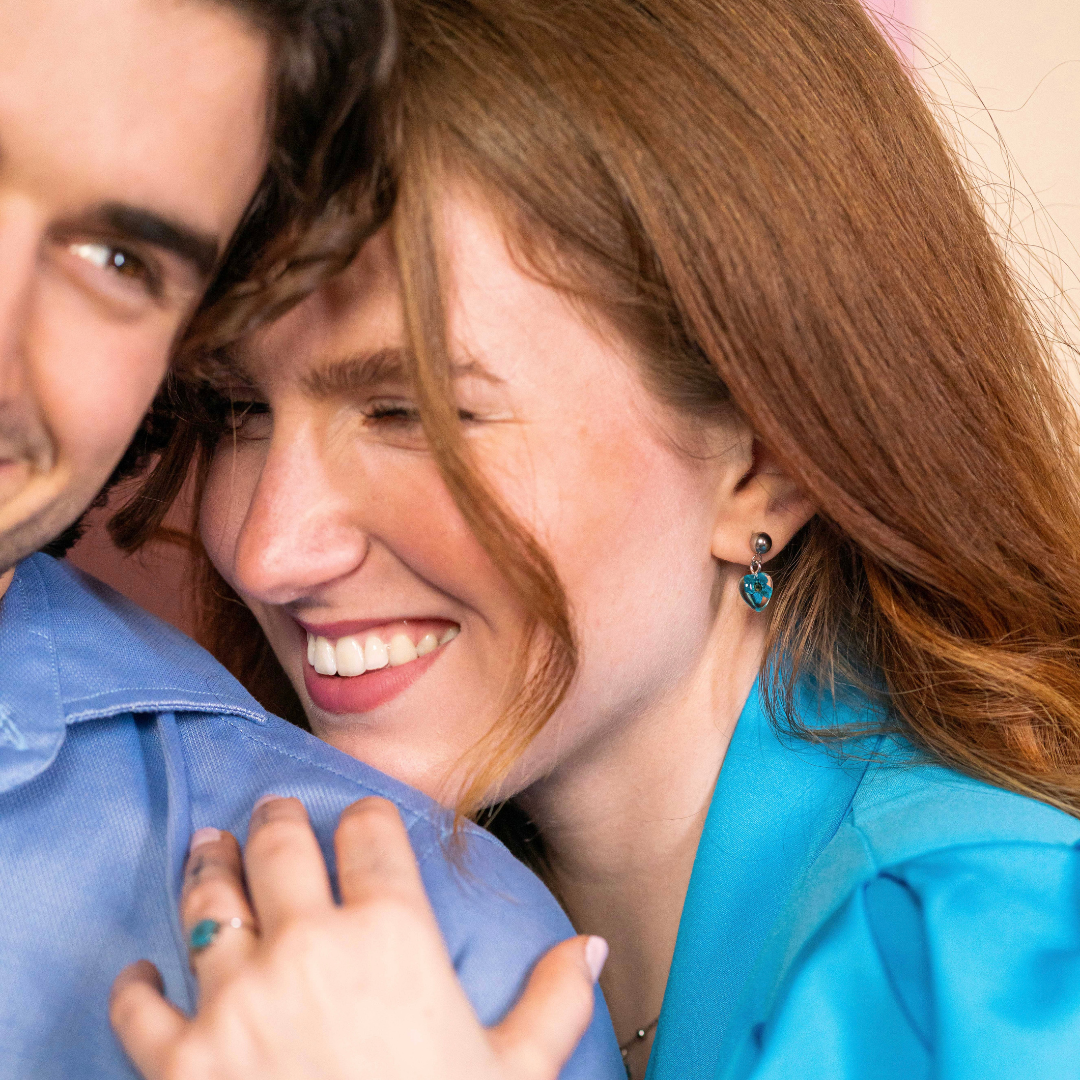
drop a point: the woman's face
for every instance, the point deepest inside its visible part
(329, 517)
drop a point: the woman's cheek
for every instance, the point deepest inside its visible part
(413, 513)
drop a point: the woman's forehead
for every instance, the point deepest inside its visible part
(503, 323)
(356, 313)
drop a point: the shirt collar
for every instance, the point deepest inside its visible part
(778, 801)
(72, 649)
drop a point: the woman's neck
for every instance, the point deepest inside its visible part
(621, 826)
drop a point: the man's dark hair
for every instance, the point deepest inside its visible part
(324, 181)
(324, 191)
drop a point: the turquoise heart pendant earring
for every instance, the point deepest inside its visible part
(756, 587)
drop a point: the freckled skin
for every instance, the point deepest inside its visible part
(327, 519)
(320, 513)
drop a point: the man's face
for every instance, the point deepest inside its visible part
(132, 137)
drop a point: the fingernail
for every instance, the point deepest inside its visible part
(204, 836)
(596, 953)
(263, 800)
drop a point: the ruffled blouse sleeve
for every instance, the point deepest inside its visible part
(961, 964)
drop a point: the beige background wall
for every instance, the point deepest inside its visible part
(1012, 72)
(1010, 68)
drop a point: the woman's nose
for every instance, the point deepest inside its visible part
(299, 533)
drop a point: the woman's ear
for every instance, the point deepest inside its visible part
(761, 498)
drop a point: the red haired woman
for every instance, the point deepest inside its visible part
(681, 470)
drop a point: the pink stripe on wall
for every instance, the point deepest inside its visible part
(899, 10)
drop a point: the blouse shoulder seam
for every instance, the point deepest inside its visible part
(881, 865)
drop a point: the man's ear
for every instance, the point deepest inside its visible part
(762, 498)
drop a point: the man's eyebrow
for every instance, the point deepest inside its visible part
(362, 372)
(131, 222)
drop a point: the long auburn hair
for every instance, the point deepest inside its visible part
(757, 194)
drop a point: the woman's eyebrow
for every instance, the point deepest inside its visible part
(362, 371)
(357, 373)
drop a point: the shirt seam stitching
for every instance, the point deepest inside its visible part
(156, 705)
(375, 788)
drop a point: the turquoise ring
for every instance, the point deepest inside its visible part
(204, 933)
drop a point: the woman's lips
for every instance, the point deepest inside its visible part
(365, 692)
(372, 663)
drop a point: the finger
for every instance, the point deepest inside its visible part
(286, 874)
(374, 856)
(145, 1023)
(540, 1033)
(214, 909)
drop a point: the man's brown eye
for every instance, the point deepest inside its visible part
(111, 258)
(125, 264)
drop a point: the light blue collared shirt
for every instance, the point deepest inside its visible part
(869, 917)
(119, 737)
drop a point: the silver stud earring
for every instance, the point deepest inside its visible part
(756, 587)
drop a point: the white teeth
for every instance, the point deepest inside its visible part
(325, 659)
(401, 650)
(350, 657)
(375, 653)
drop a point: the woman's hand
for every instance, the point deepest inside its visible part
(303, 988)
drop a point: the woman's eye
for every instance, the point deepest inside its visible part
(114, 259)
(401, 413)
(246, 417)
(392, 412)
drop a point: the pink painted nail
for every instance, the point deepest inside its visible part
(596, 954)
(204, 836)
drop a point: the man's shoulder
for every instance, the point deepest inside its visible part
(497, 918)
(113, 657)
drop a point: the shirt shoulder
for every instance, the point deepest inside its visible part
(112, 657)
(904, 809)
(497, 918)
(937, 934)
(962, 963)
(155, 723)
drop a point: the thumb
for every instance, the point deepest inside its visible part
(540, 1033)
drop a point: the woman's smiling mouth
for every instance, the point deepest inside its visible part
(388, 656)
(393, 645)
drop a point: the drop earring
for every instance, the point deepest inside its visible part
(756, 587)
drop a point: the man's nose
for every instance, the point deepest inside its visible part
(20, 244)
(300, 531)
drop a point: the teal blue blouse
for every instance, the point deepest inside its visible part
(865, 916)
